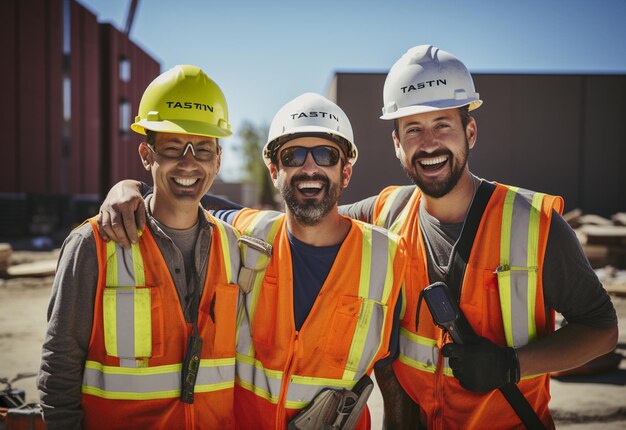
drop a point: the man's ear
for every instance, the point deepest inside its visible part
(145, 154)
(471, 132)
(346, 174)
(396, 145)
(274, 173)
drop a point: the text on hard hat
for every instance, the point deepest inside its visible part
(422, 85)
(314, 114)
(189, 105)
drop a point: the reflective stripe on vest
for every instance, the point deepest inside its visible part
(230, 247)
(396, 208)
(420, 352)
(159, 382)
(127, 310)
(375, 285)
(519, 265)
(267, 383)
(264, 226)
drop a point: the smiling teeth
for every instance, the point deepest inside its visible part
(317, 185)
(431, 161)
(185, 182)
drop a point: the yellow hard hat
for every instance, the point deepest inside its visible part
(183, 100)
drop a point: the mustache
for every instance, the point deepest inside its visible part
(433, 154)
(316, 177)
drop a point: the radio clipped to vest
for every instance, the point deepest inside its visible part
(190, 368)
(446, 313)
(334, 409)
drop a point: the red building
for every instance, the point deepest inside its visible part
(74, 86)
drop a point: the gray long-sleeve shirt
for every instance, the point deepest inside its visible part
(70, 314)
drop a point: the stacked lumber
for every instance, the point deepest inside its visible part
(5, 257)
(604, 242)
(15, 264)
(602, 239)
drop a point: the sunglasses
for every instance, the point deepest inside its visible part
(177, 151)
(295, 156)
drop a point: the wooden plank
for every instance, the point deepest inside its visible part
(619, 218)
(35, 269)
(5, 256)
(591, 219)
(608, 235)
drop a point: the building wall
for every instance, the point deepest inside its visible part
(554, 133)
(121, 157)
(31, 104)
(60, 114)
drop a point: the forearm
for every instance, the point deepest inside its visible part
(59, 388)
(400, 411)
(569, 347)
(362, 210)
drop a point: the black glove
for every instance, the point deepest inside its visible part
(482, 366)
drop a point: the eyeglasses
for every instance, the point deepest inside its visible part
(177, 151)
(295, 156)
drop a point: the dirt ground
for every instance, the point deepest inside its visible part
(591, 402)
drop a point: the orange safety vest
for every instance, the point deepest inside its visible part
(132, 376)
(501, 296)
(280, 370)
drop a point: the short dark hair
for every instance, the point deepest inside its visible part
(463, 113)
(151, 140)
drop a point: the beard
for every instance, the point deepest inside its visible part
(309, 211)
(440, 188)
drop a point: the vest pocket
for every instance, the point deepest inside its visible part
(225, 314)
(264, 324)
(132, 321)
(342, 330)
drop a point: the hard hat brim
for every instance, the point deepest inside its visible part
(443, 105)
(181, 127)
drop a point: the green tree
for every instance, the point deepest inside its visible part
(253, 139)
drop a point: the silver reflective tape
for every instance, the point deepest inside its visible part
(131, 383)
(258, 378)
(143, 382)
(300, 392)
(520, 224)
(125, 322)
(233, 251)
(372, 342)
(424, 354)
(379, 261)
(125, 268)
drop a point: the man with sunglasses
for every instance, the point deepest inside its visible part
(144, 337)
(322, 313)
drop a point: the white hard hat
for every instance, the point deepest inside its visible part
(426, 79)
(310, 115)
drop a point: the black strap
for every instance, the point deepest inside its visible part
(458, 263)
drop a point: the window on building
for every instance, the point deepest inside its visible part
(125, 117)
(124, 72)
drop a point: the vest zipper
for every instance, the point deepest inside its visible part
(281, 413)
(438, 391)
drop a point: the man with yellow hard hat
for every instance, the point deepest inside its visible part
(144, 337)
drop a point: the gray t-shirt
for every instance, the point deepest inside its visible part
(570, 285)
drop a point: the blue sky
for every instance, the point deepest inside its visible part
(264, 53)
